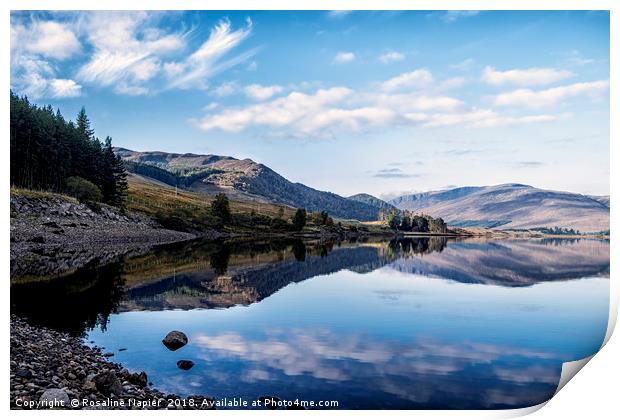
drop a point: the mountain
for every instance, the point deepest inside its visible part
(242, 179)
(510, 206)
(603, 199)
(372, 200)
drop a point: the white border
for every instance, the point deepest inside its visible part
(576, 406)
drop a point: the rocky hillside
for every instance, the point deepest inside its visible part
(243, 179)
(511, 206)
(52, 234)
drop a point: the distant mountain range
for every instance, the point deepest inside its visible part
(246, 180)
(507, 206)
(511, 206)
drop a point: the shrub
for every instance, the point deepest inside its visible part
(83, 189)
(220, 207)
(279, 224)
(299, 220)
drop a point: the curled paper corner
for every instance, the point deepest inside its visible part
(521, 412)
(569, 370)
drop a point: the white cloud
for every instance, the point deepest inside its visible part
(35, 78)
(453, 15)
(296, 109)
(107, 68)
(407, 99)
(410, 102)
(127, 51)
(452, 83)
(30, 75)
(125, 89)
(261, 93)
(65, 88)
(415, 79)
(226, 89)
(338, 14)
(46, 38)
(391, 56)
(464, 65)
(344, 57)
(33, 47)
(553, 96)
(574, 58)
(524, 77)
(483, 118)
(205, 62)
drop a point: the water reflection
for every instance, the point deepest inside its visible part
(74, 303)
(207, 274)
(420, 373)
(414, 323)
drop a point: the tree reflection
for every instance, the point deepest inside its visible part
(74, 303)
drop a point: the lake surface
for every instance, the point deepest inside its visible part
(423, 323)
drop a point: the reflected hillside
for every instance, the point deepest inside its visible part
(241, 274)
(512, 262)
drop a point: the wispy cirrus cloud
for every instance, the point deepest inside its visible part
(127, 50)
(132, 53)
(524, 77)
(208, 60)
(394, 173)
(553, 96)
(475, 118)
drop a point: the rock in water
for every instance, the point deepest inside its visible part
(174, 340)
(185, 364)
(107, 383)
(55, 397)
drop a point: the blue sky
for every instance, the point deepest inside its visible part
(379, 102)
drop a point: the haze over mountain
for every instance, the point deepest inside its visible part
(511, 206)
(245, 179)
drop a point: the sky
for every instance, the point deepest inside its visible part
(380, 102)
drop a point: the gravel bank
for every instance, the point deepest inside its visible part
(54, 370)
(51, 235)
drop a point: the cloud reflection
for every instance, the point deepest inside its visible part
(417, 371)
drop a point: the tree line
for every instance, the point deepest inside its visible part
(51, 153)
(407, 221)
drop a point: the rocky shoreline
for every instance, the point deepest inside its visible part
(50, 369)
(51, 235)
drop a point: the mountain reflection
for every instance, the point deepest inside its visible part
(207, 274)
(240, 275)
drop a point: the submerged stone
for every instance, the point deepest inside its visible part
(185, 364)
(174, 340)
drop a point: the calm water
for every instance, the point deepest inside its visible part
(424, 323)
